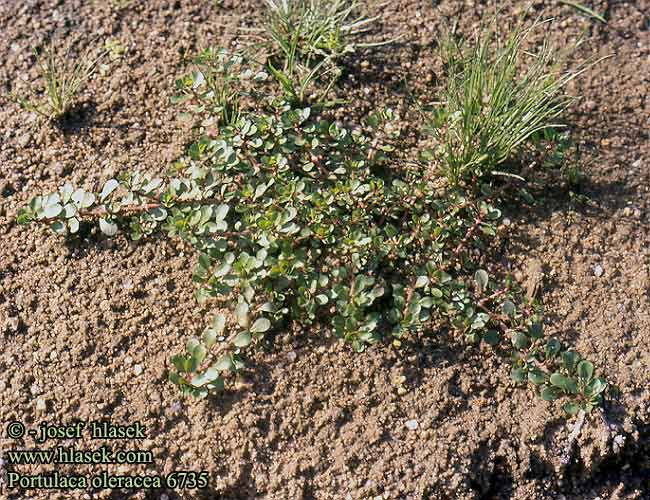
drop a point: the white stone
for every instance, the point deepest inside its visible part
(412, 425)
(598, 270)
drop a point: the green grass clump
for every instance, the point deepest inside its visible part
(306, 39)
(63, 77)
(297, 220)
(322, 28)
(498, 95)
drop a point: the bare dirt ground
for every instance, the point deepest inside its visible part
(87, 327)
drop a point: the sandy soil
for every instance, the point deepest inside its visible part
(87, 327)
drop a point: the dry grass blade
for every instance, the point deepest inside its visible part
(584, 10)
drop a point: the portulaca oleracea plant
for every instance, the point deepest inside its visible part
(297, 218)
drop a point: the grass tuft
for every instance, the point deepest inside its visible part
(63, 77)
(498, 96)
(306, 39)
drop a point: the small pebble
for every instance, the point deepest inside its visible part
(291, 356)
(411, 425)
(41, 405)
(24, 139)
(598, 270)
(619, 442)
(137, 369)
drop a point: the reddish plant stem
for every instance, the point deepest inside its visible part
(477, 222)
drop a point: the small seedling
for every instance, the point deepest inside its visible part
(63, 77)
(114, 49)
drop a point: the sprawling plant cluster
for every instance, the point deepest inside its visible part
(296, 218)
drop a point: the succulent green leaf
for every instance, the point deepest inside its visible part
(58, 227)
(567, 384)
(536, 331)
(536, 376)
(208, 376)
(209, 337)
(551, 393)
(260, 325)
(552, 348)
(52, 210)
(107, 227)
(241, 312)
(481, 278)
(199, 354)
(509, 308)
(179, 362)
(221, 212)
(224, 363)
(110, 186)
(585, 371)
(518, 375)
(570, 360)
(571, 408)
(595, 388)
(492, 337)
(73, 225)
(421, 281)
(243, 339)
(219, 323)
(521, 340)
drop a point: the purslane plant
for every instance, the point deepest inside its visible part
(296, 218)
